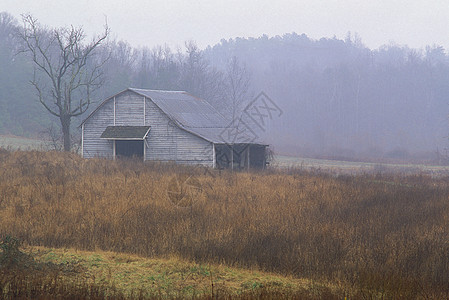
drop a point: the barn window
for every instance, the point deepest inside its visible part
(128, 141)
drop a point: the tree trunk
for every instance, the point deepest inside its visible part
(65, 123)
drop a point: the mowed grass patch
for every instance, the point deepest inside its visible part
(131, 276)
(16, 142)
(357, 167)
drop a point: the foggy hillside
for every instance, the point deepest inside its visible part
(339, 99)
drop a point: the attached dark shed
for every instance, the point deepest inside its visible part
(168, 126)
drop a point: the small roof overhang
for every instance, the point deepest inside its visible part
(125, 132)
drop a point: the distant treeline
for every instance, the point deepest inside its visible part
(342, 99)
(338, 97)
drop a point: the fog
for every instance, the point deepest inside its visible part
(342, 99)
(416, 23)
(339, 98)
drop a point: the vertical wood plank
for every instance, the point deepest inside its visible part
(114, 111)
(82, 140)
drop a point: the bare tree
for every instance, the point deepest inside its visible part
(66, 72)
(237, 82)
(164, 68)
(8, 26)
(198, 76)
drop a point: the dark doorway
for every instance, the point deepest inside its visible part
(238, 156)
(125, 148)
(257, 155)
(223, 156)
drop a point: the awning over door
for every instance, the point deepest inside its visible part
(125, 132)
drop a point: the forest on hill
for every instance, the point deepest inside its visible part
(338, 98)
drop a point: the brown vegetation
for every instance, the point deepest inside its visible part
(374, 236)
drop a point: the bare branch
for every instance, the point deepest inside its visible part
(68, 66)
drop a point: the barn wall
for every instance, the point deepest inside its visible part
(129, 109)
(167, 142)
(93, 128)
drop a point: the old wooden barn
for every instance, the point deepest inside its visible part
(169, 126)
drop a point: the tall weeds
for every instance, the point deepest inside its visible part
(377, 236)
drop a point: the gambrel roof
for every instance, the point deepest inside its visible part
(196, 116)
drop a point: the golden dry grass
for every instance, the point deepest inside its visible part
(373, 236)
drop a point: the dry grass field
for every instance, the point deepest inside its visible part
(372, 236)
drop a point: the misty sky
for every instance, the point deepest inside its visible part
(148, 23)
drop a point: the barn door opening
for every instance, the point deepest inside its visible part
(129, 148)
(127, 141)
(240, 156)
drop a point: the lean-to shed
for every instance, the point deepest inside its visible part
(169, 126)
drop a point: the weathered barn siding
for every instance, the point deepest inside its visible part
(93, 146)
(129, 109)
(178, 128)
(167, 142)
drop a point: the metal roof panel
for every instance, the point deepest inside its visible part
(192, 114)
(187, 110)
